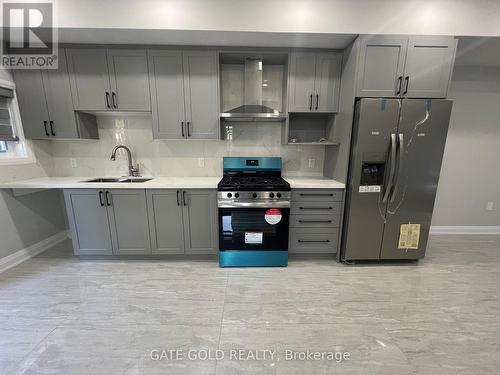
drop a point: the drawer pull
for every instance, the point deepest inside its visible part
(315, 195)
(316, 208)
(313, 240)
(315, 221)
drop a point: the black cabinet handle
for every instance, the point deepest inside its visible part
(107, 100)
(407, 83)
(113, 97)
(187, 125)
(100, 198)
(184, 198)
(310, 102)
(45, 127)
(315, 221)
(108, 201)
(315, 195)
(177, 196)
(51, 123)
(182, 128)
(316, 208)
(317, 101)
(313, 240)
(400, 83)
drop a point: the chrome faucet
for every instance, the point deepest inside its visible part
(132, 171)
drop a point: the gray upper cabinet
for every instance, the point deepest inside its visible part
(128, 74)
(128, 220)
(89, 79)
(88, 220)
(200, 221)
(302, 74)
(429, 65)
(165, 221)
(413, 67)
(46, 105)
(381, 66)
(314, 82)
(167, 94)
(201, 92)
(32, 103)
(184, 94)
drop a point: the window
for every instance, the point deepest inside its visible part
(13, 147)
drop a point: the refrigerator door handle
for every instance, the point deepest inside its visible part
(400, 165)
(393, 168)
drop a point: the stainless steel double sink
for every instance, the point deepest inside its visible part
(118, 179)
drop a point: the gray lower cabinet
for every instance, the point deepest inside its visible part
(183, 221)
(315, 221)
(108, 222)
(88, 220)
(401, 66)
(166, 226)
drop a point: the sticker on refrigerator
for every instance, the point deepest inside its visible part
(273, 216)
(369, 189)
(409, 235)
(253, 237)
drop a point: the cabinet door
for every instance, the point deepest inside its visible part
(165, 221)
(89, 79)
(201, 85)
(381, 66)
(200, 221)
(302, 75)
(327, 82)
(128, 218)
(60, 101)
(429, 64)
(128, 75)
(167, 94)
(88, 220)
(32, 103)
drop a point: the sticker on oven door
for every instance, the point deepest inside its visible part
(253, 237)
(273, 216)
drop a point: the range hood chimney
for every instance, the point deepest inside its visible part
(252, 108)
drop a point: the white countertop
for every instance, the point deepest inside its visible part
(156, 183)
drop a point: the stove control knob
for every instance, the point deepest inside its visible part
(271, 195)
(229, 195)
(278, 195)
(236, 195)
(254, 195)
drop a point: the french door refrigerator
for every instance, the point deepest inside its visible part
(396, 153)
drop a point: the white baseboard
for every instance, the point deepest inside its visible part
(464, 230)
(28, 252)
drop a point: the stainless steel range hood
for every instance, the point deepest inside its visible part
(253, 109)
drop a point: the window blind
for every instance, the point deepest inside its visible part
(6, 128)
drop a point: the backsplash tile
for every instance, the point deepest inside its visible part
(177, 157)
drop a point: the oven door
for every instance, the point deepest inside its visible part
(253, 228)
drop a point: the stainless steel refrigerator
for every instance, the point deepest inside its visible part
(396, 153)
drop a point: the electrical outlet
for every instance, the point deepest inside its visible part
(72, 162)
(201, 162)
(311, 163)
(490, 206)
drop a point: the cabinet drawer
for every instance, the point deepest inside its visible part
(314, 221)
(318, 195)
(316, 208)
(314, 240)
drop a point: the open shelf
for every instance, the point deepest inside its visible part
(326, 143)
(310, 129)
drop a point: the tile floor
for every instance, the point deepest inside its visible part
(62, 315)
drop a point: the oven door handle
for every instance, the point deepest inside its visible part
(276, 204)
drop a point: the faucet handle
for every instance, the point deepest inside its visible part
(134, 171)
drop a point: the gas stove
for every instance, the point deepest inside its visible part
(254, 211)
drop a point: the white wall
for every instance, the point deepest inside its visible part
(470, 174)
(444, 17)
